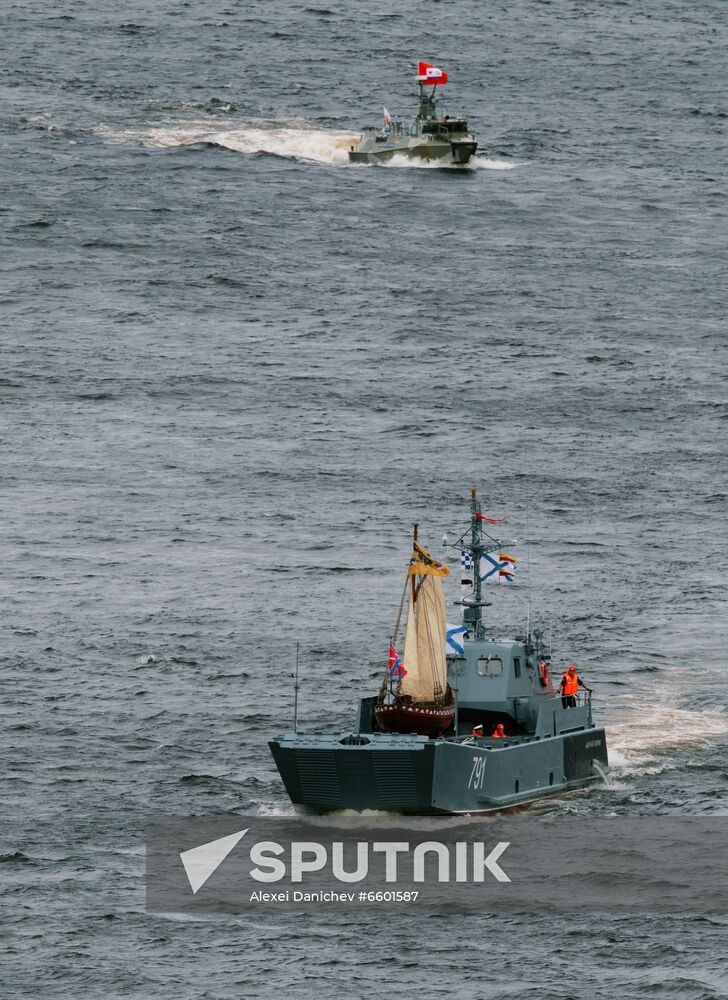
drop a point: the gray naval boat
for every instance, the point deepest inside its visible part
(416, 747)
(429, 137)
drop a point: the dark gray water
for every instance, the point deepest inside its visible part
(235, 369)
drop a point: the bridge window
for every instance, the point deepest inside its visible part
(490, 666)
(456, 664)
(517, 666)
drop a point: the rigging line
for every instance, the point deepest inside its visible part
(414, 556)
(385, 679)
(428, 628)
(399, 613)
(484, 534)
(295, 692)
(467, 529)
(393, 639)
(433, 648)
(422, 612)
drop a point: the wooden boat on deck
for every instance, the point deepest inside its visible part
(415, 696)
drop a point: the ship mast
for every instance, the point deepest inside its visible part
(479, 544)
(428, 104)
(412, 578)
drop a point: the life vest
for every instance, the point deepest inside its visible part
(543, 673)
(570, 684)
(498, 733)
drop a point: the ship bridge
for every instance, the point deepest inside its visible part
(445, 126)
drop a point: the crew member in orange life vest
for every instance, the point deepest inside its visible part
(498, 733)
(569, 686)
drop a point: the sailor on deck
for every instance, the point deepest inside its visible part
(499, 732)
(569, 686)
(477, 730)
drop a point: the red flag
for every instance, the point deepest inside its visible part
(491, 520)
(430, 74)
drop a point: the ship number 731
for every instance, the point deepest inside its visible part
(477, 775)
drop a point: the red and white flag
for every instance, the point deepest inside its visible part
(430, 74)
(396, 667)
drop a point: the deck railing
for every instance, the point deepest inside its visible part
(583, 700)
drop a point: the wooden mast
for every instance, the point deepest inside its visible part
(414, 582)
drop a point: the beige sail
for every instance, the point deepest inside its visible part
(424, 643)
(410, 682)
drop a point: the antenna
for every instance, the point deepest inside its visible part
(456, 720)
(295, 693)
(528, 560)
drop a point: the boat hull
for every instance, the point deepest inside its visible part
(400, 718)
(417, 775)
(416, 149)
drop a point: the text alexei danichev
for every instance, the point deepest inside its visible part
(329, 896)
(298, 896)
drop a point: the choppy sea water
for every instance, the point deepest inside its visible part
(235, 369)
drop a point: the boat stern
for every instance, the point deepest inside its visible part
(377, 771)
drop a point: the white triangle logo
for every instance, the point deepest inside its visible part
(200, 862)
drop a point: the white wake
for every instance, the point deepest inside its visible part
(295, 139)
(476, 163)
(647, 741)
(301, 143)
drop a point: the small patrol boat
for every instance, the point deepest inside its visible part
(416, 746)
(429, 137)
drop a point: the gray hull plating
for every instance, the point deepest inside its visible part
(414, 774)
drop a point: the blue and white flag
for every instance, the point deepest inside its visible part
(454, 635)
(499, 568)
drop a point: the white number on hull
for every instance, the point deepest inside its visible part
(477, 775)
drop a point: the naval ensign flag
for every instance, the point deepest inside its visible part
(430, 74)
